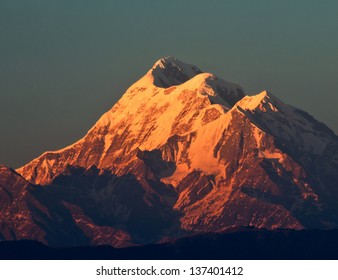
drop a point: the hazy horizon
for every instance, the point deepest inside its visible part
(65, 63)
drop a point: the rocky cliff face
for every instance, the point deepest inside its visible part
(183, 151)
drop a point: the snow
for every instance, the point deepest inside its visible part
(181, 171)
(252, 102)
(187, 69)
(149, 115)
(258, 133)
(270, 155)
(284, 122)
(157, 74)
(149, 112)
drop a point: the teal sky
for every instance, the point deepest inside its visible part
(64, 63)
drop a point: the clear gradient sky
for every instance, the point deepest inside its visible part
(63, 63)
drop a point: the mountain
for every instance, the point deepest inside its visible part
(181, 152)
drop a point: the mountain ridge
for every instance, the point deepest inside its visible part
(186, 152)
(242, 244)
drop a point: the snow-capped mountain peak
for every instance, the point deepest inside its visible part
(147, 116)
(181, 152)
(169, 71)
(264, 101)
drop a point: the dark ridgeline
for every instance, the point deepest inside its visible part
(244, 244)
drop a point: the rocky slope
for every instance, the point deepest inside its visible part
(184, 151)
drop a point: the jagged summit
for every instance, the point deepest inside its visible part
(169, 71)
(264, 100)
(170, 61)
(169, 74)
